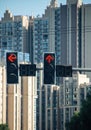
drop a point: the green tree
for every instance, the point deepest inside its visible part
(85, 113)
(74, 123)
(4, 127)
(82, 120)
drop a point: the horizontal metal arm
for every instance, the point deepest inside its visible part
(82, 69)
(73, 69)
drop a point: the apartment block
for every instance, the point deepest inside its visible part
(52, 118)
(13, 33)
(2, 95)
(72, 93)
(40, 39)
(85, 36)
(13, 107)
(28, 103)
(18, 102)
(64, 30)
(70, 33)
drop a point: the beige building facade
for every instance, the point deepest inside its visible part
(2, 96)
(18, 102)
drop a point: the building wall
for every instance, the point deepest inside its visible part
(30, 37)
(50, 14)
(14, 107)
(58, 35)
(63, 43)
(14, 33)
(29, 94)
(86, 36)
(40, 39)
(51, 107)
(70, 34)
(40, 106)
(2, 95)
(71, 97)
(78, 2)
(61, 31)
(18, 102)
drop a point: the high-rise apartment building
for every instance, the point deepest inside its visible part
(2, 95)
(40, 38)
(65, 38)
(75, 34)
(46, 33)
(70, 33)
(44, 41)
(50, 14)
(72, 93)
(51, 108)
(39, 44)
(13, 107)
(71, 19)
(30, 37)
(40, 108)
(85, 36)
(18, 102)
(28, 103)
(64, 30)
(58, 35)
(13, 33)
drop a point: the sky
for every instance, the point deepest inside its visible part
(27, 7)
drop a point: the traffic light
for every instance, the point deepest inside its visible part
(27, 69)
(68, 71)
(60, 70)
(63, 71)
(49, 68)
(12, 67)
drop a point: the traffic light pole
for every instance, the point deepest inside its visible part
(73, 69)
(39, 68)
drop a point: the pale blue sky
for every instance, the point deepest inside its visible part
(27, 7)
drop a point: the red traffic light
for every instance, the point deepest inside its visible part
(49, 58)
(12, 57)
(49, 68)
(12, 67)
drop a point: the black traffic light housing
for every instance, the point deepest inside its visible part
(63, 71)
(27, 70)
(12, 67)
(49, 68)
(60, 70)
(68, 71)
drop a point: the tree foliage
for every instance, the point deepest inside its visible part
(4, 127)
(82, 120)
